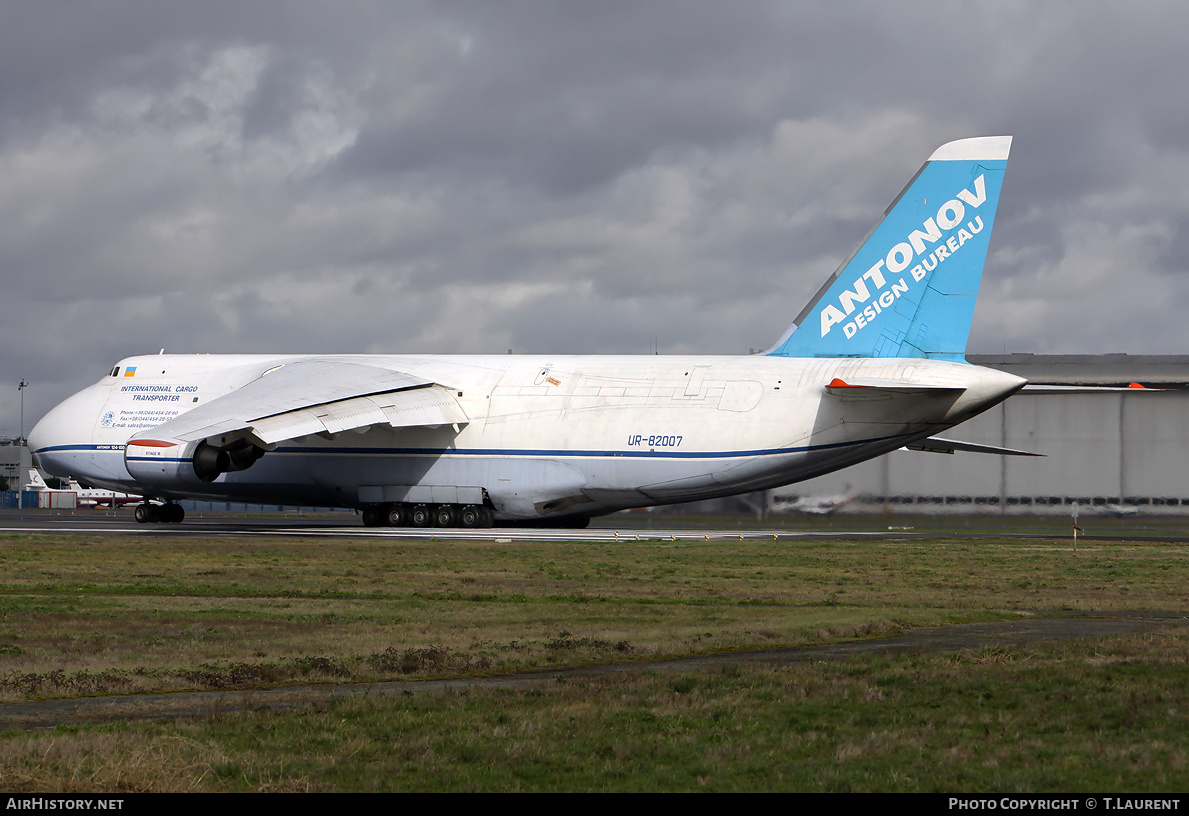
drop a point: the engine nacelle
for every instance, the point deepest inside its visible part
(210, 462)
(166, 466)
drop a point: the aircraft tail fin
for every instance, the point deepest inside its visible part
(35, 481)
(909, 289)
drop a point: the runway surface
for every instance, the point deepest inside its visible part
(610, 528)
(98, 523)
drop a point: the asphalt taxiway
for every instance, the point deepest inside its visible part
(610, 528)
(343, 525)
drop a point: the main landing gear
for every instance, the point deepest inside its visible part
(402, 514)
(159, 513)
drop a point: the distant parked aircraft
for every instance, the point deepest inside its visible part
(86, 496)
(1120, 509)
(813, 505)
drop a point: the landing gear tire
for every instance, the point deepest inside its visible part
(420, 516)
(396, 515)
(473, 516)
(172, 514)
(399, 514)
(444, 515)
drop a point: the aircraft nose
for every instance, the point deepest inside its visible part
(47, 432)
(50, 436)
(63, 441)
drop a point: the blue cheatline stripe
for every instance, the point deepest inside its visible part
(78, 448)
(518, 452)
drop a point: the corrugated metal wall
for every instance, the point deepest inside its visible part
(1116, 447)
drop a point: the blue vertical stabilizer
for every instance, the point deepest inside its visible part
(909, 289)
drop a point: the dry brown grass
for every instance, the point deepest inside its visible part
(90, 615)
(110, 762)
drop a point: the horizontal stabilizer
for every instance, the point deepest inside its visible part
(867, 386)
(935, 445)
(1085, 389)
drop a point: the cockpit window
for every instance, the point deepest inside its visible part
(115, 372)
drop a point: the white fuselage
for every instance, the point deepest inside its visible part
(546, 435)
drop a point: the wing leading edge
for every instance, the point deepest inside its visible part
(316, 397)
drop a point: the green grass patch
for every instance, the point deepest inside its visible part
(1099, 716)
(109, 615)
(152, 614)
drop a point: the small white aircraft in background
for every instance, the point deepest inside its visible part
(874, 363)
(1120, 509)
(812, 505)
(86, 496)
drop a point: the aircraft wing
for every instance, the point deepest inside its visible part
(935, 445)
(317, 396)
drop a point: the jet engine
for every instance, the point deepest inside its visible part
(166, 466)
(211, 462)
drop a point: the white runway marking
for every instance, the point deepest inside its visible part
(529, 534)
(498, 534)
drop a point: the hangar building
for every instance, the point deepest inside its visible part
(14, 462)
(1117, 450)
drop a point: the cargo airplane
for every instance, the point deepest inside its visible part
(874, 363)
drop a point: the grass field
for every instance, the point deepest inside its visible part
(86, 615)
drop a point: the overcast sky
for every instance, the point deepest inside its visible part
(570, 177)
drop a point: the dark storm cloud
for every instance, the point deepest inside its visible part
(468, 177)
(568, 97)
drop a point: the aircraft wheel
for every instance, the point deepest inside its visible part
(420, 516)
(172, 514)
(373, 516)
(470, 517)
(444, 515)
(143, 513)
(396, 515)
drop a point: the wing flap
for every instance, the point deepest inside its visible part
(432, 406)
(429, 406)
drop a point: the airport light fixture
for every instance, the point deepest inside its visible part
(21, 449)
